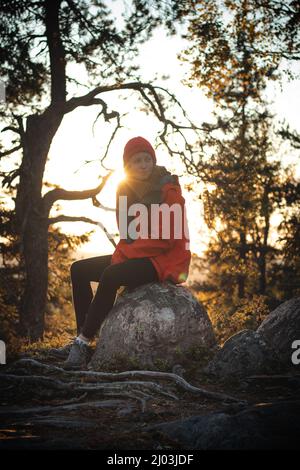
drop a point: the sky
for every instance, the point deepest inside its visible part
(77, 141)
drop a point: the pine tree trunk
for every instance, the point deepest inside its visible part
(241, 276)
(35, 295)
(262, 273)
(32, 221)
(262, 261)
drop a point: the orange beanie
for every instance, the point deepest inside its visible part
(135, 145)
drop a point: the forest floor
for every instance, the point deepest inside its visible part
(44, 407)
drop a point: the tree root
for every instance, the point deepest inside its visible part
(67, 391)
(24, 364)
(105, 388)
(35, 410)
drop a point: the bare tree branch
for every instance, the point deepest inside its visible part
(8, 152)
(59, 193)
(70, 218)
(96, 203)
(11, 128)
(9, 176)
(149, 94)
(67, 218)
(89, 99)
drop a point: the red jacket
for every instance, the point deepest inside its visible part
(170, 257)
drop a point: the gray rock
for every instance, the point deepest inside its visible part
(265, 426)
(152, 323)
(281, 328)
(243, 354)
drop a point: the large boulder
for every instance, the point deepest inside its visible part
(149, 325)
(281, 328)
(263, 426)
(244, 353)
(266, 350)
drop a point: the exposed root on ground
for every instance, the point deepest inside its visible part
(47, 381)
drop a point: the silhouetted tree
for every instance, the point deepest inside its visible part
(235, 48)
(39, 39)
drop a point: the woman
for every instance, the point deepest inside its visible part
(138, 259)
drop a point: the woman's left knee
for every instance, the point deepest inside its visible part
(109, 277)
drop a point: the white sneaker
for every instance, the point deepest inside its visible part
(79, 355)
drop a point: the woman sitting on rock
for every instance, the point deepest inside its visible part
(158, 252)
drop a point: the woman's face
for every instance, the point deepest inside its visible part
(140, 165)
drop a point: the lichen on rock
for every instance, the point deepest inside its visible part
(149, 324)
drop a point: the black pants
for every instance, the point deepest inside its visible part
(90, 312)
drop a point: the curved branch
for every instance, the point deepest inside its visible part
(8, 152)
(89, 99)
(59, 193)
(96, 203)
(66, 218)
(11, 128)
(9, 176)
